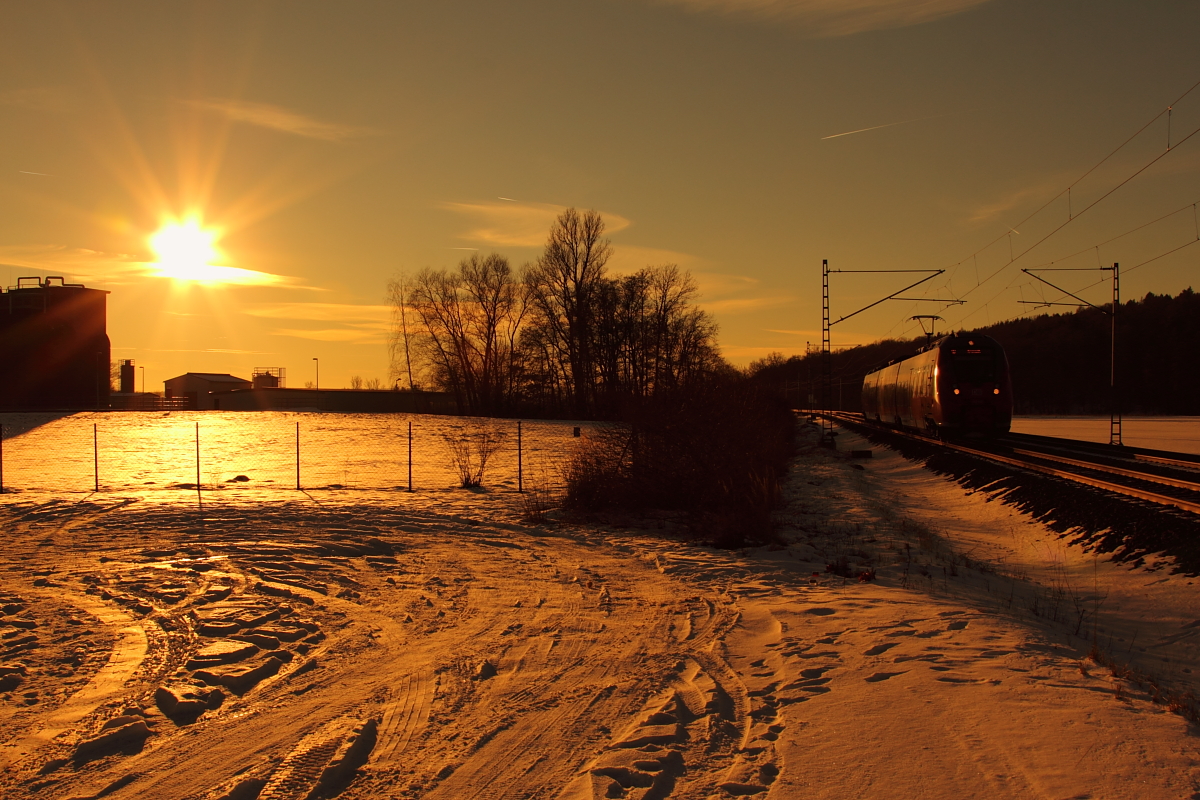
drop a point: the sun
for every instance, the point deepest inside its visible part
(186, 251)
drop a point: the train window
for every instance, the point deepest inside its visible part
(974, 368)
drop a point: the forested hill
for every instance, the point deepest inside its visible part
(1060, 362)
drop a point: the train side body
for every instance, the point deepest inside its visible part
(959, 385)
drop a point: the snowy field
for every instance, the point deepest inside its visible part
(253, 455)
(438, 645)
(1175, 434)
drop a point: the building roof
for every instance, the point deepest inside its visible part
(214, 377)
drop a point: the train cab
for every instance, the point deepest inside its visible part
(956, 386)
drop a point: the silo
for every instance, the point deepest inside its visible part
(54, 347)
(127, 382)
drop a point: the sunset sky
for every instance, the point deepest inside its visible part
(315, 149)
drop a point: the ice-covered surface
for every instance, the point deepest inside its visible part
(1176, 434)
(456, 651)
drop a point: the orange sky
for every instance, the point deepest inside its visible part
(329, 145)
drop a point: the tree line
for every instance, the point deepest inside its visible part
(1059, 362)
(559, 336)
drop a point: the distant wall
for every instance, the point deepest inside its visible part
(347, 401)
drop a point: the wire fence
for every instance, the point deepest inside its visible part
(250, 452)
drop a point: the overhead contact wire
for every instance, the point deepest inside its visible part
(1072, 216)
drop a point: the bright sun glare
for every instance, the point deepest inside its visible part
(186, 251)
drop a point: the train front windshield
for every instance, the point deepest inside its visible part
(974, 366)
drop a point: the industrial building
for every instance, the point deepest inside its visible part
(198, 387)
(54, 347)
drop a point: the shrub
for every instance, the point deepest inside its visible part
(716, 451)
(470, 451)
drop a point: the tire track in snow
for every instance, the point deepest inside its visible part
(127, 655)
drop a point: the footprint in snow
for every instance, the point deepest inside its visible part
(882, 676)
(880, 648)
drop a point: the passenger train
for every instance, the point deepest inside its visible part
(958, 385)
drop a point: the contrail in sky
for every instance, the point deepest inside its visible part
(509, 199)
(46, 174)
(889, 125)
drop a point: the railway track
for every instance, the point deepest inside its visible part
(1162, 478)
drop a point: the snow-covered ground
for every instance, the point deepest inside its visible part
(445, 647)
(1176, 434)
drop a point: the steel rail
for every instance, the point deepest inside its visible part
(1115, 488)
(1190, 466)
(1094, 448)
(1128, 473)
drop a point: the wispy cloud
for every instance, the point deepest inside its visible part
(360, 324)
(71, 262)
(794, 333)
(324, 312)
(348, 335)
(835, 17)
(1021, 198)
(81, 264)
(278, 118)
(214, 274)
(203, 350)
(513, 224)
(717, 284)
(627, 259)
(735, 305)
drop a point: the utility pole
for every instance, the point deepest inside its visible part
(826, 356)
(827, 323)
(1114, 406)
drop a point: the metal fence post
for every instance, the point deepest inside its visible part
(1, 459)
(297, 456)
(520, 465)
(410, 455)
(199, 499)
(95, 459)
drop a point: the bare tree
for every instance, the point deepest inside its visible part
(469, 321)
(563, 286)
(648, 337)
(564, 336)
(400, 337)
